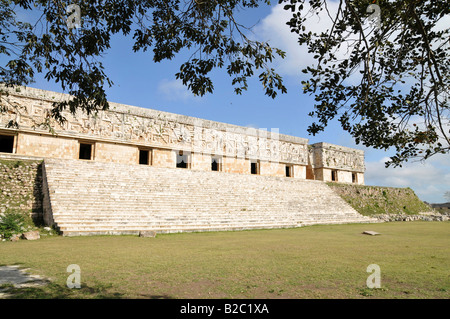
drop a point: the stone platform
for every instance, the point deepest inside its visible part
(89, 198)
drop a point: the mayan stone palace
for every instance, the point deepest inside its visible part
(130, 169)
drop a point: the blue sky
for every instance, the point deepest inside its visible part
(140, 82)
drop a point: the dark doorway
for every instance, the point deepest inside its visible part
(85, 151)
(254, 169)
(6, 143)
(144, 157)
(288, 170)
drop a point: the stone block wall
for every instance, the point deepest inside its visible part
(42, 145)
(163, 158)
(116, 153)
(326, 174)
(300, 172)
(337, 163)
(236, 165)
(272, 169)
(201, 161)
(118, 134)
(21, 186)
(360, 178)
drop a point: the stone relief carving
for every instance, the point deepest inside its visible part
(182, 133)
(159, 131)
(342, 160)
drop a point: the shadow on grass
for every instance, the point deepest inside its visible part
(55, 291)
(18, 285)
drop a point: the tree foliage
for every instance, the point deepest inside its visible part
(447, 195)
(72, 56)
(386, 82)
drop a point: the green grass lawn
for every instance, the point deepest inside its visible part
(309, 262)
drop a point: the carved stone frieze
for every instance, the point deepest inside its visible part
(124, 124)
(337, 157)
(131, 125)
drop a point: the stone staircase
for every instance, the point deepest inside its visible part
(88, 198)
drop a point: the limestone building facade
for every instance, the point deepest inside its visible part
(132, 135)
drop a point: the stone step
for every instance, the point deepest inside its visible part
(122, 215)
(131, 190)
(114, 217)
(162, 231)
(202, 228)
(210, 224)
(169, 201)
(173, 225)
(175, 207)
(92, 197)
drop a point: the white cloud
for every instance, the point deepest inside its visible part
(174, 90)
(274, 30)
(430, 180)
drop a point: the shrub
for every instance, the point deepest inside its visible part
(11, 223)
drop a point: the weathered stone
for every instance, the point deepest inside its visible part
(370, 232)
(402, 217)
(130, 128)
(203, 201)
(20, 191)
(31, 235)
(15, 237)
(94, 196)
(149, 233)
